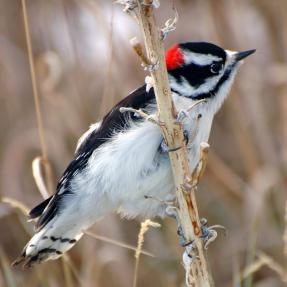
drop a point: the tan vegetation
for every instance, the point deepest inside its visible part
(81, 52)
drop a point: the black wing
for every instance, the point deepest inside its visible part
(115, 120)
(111, 123)
(38, 210)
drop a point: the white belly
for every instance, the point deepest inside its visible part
(127, 168)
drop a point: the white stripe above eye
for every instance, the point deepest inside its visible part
(199, 59)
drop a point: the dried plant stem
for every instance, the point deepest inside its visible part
(273, 265)
(36, 99)
(108, 93)
(9, 278)
(48, 187)
(37, 170)
(285, 232)
(67, 274)
(68, 261)
(117, 243)
(173, 134)
(144, 228)
(139, 51)
(263, 260)
(15, 204)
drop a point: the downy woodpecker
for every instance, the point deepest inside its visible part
(119, 162)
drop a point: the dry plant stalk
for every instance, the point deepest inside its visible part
(47, 166)
(117, 243)
(263, 260)
(185, 180)
(285, 233)
(144, 228)
(38, 166)
(15, 204)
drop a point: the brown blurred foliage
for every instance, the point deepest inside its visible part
(84, 65)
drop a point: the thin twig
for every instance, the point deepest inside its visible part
(117, 243)
(37, 169)
(74, 270)
(108, 95)
(285, 232)
(273, 265)
(144, 228)
(40, 125)
(34, 82)
(263, 260)
(173, 135)
(15, 204)
(138, 48)
(67, 273)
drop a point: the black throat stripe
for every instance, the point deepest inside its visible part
(225, 77)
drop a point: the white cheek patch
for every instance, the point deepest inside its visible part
(199, 59)
(184, 88)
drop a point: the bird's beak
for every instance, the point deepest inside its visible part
(241, 55)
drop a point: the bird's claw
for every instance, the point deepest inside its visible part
(164, 147)
(186, 113)
(208, 233)
(181, 115)
(172, 211)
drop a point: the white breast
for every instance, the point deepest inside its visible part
(128, 167)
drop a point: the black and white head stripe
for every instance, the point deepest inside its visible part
(205, 68)
(202, 53)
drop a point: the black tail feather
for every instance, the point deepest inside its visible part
(38, 210)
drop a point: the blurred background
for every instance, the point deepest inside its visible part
(84, 65)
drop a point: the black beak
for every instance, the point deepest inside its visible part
(241, 55)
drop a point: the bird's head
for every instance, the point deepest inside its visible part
(201, 70)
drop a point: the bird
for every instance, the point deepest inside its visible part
(122, 162)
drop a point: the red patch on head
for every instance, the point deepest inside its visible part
(174, 58)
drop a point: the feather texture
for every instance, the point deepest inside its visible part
(118, 161)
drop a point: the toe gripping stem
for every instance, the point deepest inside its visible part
(181, 116)
(208, 234)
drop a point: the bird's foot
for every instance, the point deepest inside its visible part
(182, 115)
(208, 233)
(163, 148)
(172, 211)
(185, 113)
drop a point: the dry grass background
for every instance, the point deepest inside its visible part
(84, 65)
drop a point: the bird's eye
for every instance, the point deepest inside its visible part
(215, 68)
